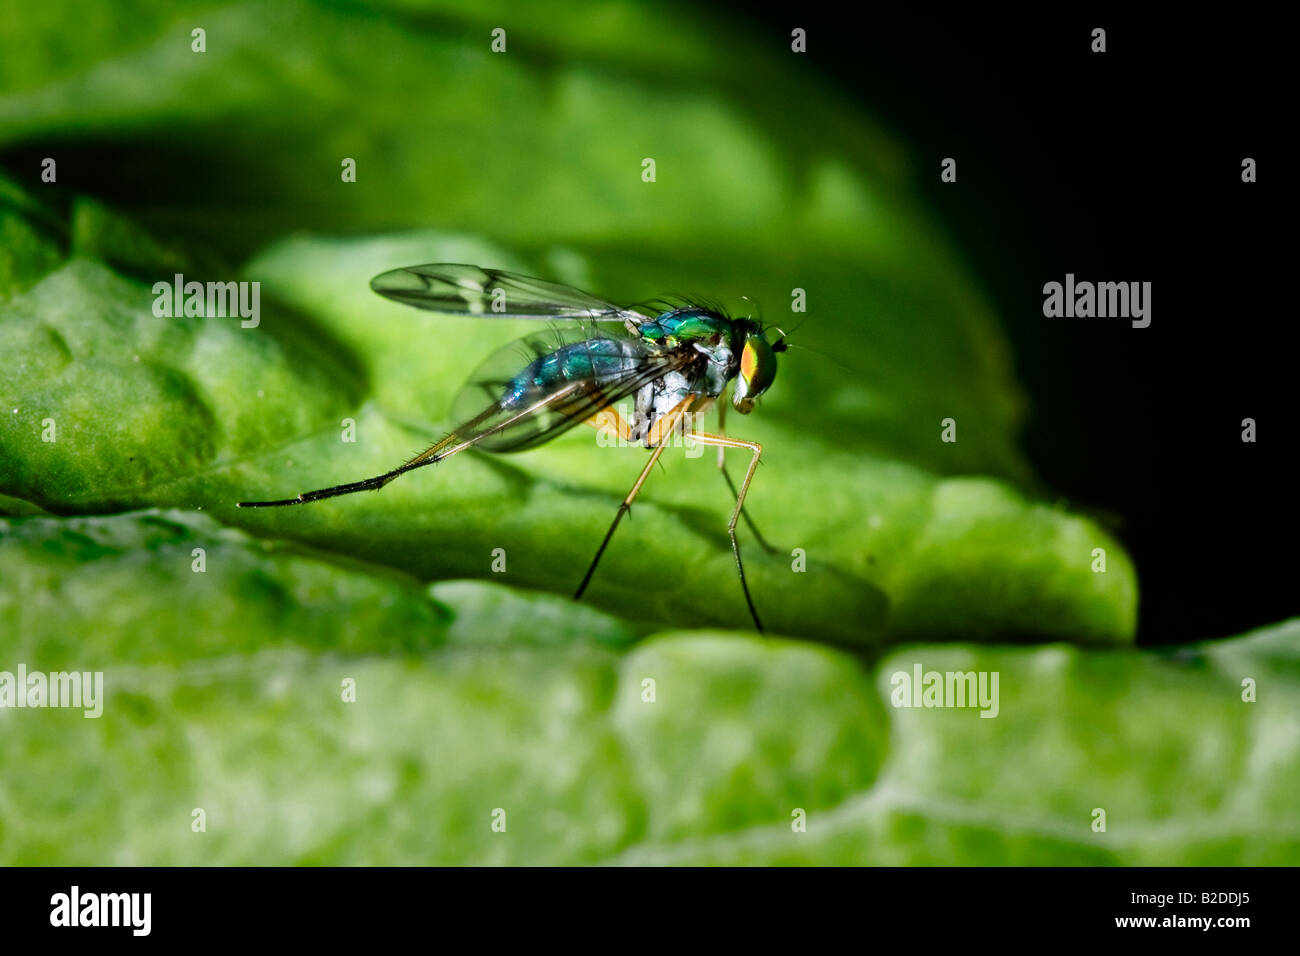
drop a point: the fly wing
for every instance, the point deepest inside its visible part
(456, 289)
(526, 394)
(543, 384)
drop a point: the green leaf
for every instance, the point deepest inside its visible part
(224, 691)
(530, 159)
(200, 413)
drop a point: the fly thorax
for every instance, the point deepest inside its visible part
(656, 400)
(719, 367)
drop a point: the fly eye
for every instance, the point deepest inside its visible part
(757, 365)
(757, 370)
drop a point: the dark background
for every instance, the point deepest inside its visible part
(1122, 166)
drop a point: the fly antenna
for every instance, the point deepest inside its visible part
(804, 348)
(801, 324)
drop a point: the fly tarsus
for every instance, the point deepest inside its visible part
(744, 584)
(366, 484)
(369, 483)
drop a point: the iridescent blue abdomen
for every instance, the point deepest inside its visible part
(592, 358)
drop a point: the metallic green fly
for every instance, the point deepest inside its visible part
(676, 362)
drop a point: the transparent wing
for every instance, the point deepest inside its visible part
(543, 384)
(491, 293)
(526, 394)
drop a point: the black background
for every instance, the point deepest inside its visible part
(1121, 166)
(918, 907)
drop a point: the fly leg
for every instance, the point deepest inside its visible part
(726, 476)
(430, 456)
(611, 421)
(467, 436)
(660, 433)
(723, 442)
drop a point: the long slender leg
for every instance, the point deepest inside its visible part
(466, 436)
(722, 441)
(611, 420)
(731, 485)
(431, 455)
(660, 433)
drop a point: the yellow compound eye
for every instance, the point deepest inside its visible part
(757, 371)
(748, 362)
